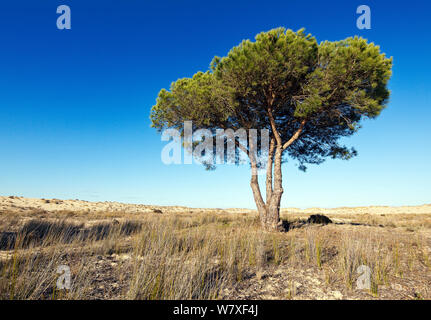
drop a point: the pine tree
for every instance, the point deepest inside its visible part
(308, 95)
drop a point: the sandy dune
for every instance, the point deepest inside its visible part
(21, 204)
(423, 209)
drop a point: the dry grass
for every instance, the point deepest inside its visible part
(210, 255)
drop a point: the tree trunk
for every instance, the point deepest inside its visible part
(273, 222)
(261, 207)
(269, 212)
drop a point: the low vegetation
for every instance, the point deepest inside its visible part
(212, 255)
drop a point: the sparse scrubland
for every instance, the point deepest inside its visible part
(184, 253)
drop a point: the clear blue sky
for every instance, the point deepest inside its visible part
(75, 104)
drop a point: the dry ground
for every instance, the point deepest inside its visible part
(121, 251)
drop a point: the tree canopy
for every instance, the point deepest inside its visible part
(307, 94)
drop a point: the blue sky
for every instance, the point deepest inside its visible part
(75, 104)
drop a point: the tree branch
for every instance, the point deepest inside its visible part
(295, 135)
(274, 128)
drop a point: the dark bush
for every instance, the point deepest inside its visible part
(319, 219)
